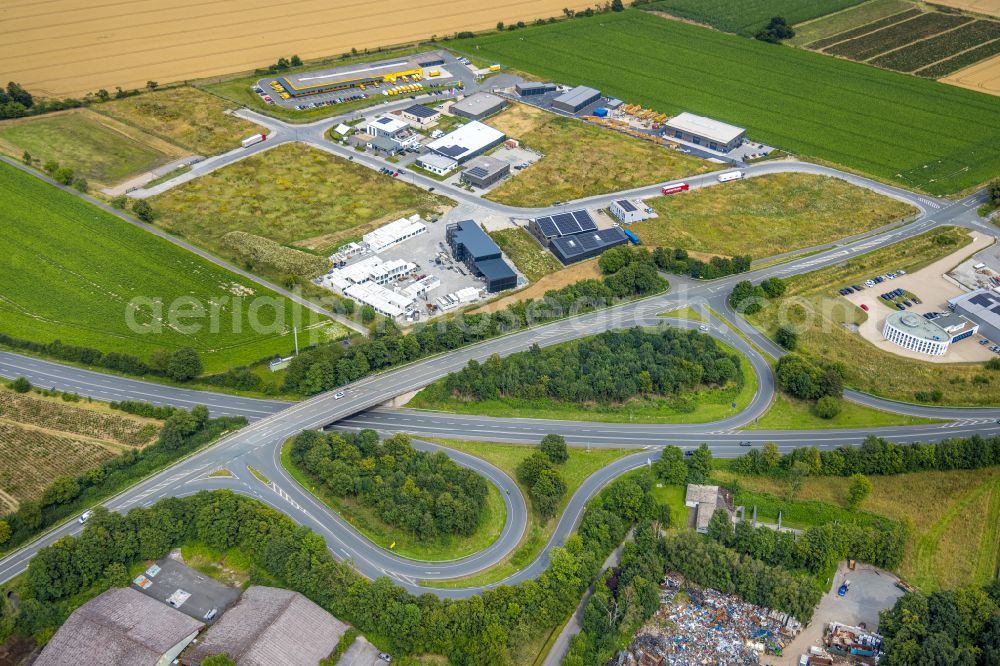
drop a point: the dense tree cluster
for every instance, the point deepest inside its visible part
(747, 298)
(182, 433)
(875, 456)
(800, 377)
(880, 542)
(994, 193)
(327, 366)
(946, 628)
(677, 261)
(424, 493)
(540, 474)
(775, 31)
(711, 564)
(16, 102)
(675, 469)
(609, 368)
(485, 629)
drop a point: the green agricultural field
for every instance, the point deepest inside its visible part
(292, 195)
(923, 53)
(878, 24)
(581, 160)
(866, 119)
(748, 16)
(767, 215)
(848, 19)
(812, 305)
(186, 116)
(104, 151)
(534, 261)
(962, 60)
(72, 270)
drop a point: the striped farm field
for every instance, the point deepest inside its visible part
(747, 16)
(897, 35)
(900, 128)
(75, 273)
(927, 51)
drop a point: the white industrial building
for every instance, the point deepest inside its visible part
(467, 141)
(435, 163)
(706, 132)
(370, 269)
(386, 126)
(385, 301)
(422, 286)
(918, 334)
(628, 212)
(394, 233)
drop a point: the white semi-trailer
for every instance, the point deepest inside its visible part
(251, 140)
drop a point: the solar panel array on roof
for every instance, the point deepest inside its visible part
(625, 205)
(451, 151)
(585, 245)
(420, 111)
(566, 224)
(478, 172)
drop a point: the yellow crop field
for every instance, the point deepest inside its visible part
(71, 47)
(991, 7)
(983, 76)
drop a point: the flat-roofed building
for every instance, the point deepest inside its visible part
(628, 211)
(121, 627)
(467, 141)
(529, 88)
(484, 171)
(473, 246)
(478, 106)
(586, 245)
(370, 269)
(571, 222)
(573, 100)
(418, 114)
(384, 301)
(707, 132)
(983, 307)
(918, 334)
(271, 626)
(394, 233)
(386, 126)
(438, 164)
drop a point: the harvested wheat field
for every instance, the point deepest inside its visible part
(984, 77)
(71, 47)
(991, 7)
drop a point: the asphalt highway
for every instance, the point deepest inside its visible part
(273, 422)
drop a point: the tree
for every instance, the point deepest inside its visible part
(777, 29)
(367, 314)
(296, 61)
(184, 364)
(858, 490)
(700, 465)
(720, 527)
(80, 184)
(787, 337)
(554, 448)
(61, 491)
(773, 287)
(827, 407)
(27, 158)
(120, 202)
(797, 474)
(530, 469)
(4, 532)
(143, 210)
(499, 26)
(218, 660)
(21, 385)
(617, 6)
(177, 428)
(63, 176)
(671, 466)
(994, 192)
(103, 95)
(746, 298)
(547, 492)
(151, 85)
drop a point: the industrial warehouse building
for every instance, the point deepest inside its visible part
(570, 249)
(473, 246)
(418, 114)
(562, 224)
(483, 171)
(573, 100)
(384, 301)
(478, 106)
(701, 131)
(349, 76)
(271, 626)
(529, 88)
(121, 627)
(394, 233)
(915, 333)
(370, 269)
(435, 163)
(983, 307)
(628, 212)
(467, 141)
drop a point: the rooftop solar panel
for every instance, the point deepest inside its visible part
(981, 299)
(584, 220)
(478, 172)
(451, 151)
(625, 205)
(547, 227)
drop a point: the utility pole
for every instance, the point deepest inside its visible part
(295, 334)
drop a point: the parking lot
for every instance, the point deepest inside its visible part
(205, 592)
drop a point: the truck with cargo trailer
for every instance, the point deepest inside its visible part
(254, 139)
(674, 189)
(730, 176)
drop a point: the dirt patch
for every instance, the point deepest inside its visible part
(930, 285)
(983, 76)
(75, 47)
(583, 271)
(519, 119)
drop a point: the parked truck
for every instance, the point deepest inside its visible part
(674, 189)
(632, 237)
(251, 140)
(732, 175)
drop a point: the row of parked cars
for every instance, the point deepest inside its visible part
(993, 348)
(331, 102)
(908, 301)
(879, 279)
(850, 290)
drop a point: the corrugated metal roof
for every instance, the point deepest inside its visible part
(577, 96)
(716, 130)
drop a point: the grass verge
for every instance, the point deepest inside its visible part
(401, 542)
(787, 413)
(581, 464)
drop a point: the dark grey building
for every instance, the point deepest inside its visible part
(570, 249)
(478, 106)
(534, 88)
(483, 171)
(573, 100)
(476, 249)
(981, 306)
(561, 224)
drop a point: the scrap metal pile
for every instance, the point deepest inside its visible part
(697, 625)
